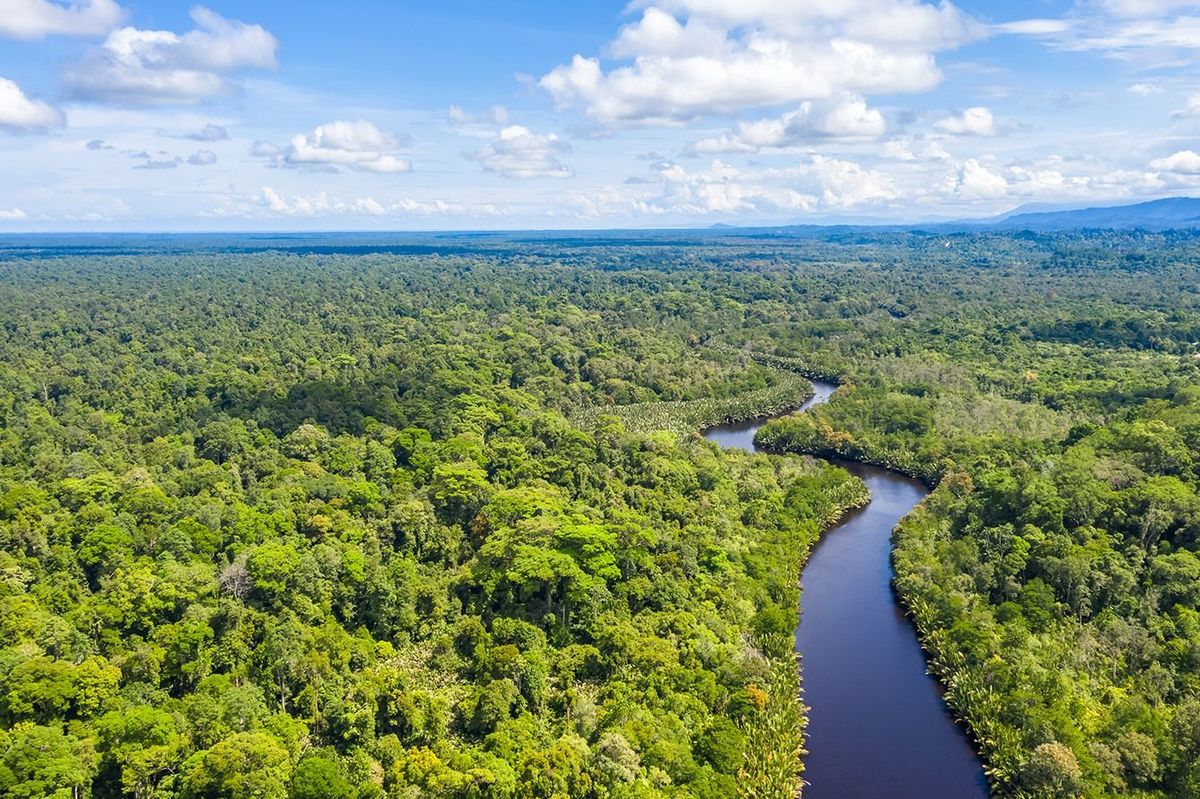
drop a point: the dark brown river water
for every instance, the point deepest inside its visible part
(878, 728)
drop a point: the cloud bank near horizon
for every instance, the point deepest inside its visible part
(671, 112)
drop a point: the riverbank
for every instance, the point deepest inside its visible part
(685, 417)
(877, 725)
(960, 689)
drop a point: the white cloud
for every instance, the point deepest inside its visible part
(144, 67)
(355, 145)
(976, 180)
(1126, 182)
(1040, 180)
(730, 55)
(202, 158)
(904, 148)
(899, 148)
(897, 22)
(719, 191)
(729, 142)
(519, 153)
(847, 119)
(1127, 29)
(658, 33)
(936, 152)
(19, 113)
(1033, 27)
(1184, 162)
(12, 215)
(976, 121)
(845, 184)
(819, 183)
(34, 19)
(322, 204)
(170, 162)
(318, 204)
(1145, 89)
(1182, 33)
(1192, 109)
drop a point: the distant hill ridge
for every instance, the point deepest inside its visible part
(1172, 212)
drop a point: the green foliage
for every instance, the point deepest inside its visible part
(772, 760)
(378, 524)
(684, 417)
(1052, 574)
(278, 526)
(243, 766)
(318, 777)
(42, 762)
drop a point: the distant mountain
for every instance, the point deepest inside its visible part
(1173, 212)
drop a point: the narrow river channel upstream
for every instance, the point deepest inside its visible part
(878, 728)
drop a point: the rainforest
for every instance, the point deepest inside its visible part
(433, 517)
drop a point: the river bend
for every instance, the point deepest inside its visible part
(878, 728)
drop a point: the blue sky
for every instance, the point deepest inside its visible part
(153, 115)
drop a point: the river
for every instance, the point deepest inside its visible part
(878, 728)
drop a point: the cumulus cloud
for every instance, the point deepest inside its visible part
(519, 153)
(819, 183)
(659, 33)
(1184, 162)
(318, 204)
(899, 148)
(846, 119)
(897, 189)
(976, 180)
(904, 148)
(725, 189)
(357, 145)
(146, 67)
(20, 114)
(936, 152)
(34, 19)
(12, 214)
(846, 184)
(323, 204)
(690, 58)
(976, 121)
(202, 158)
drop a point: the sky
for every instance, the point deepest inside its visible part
(150, 115)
